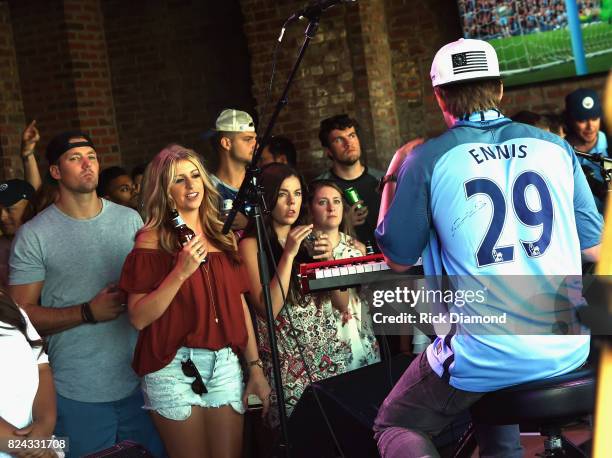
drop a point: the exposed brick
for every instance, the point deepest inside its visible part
(141, 74)
(12, 120)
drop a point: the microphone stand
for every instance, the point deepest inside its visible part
(250, 194)
(600, 160)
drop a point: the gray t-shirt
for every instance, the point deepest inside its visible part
(76, 259)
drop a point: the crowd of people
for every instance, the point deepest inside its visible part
(150, 339)
(488, 19)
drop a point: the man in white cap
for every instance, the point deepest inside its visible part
(481, 200)
(234, 141)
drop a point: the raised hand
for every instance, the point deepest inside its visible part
(322, 248)
(29, 139)
(356, 215)
(295, 238)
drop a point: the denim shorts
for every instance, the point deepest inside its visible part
(168, 391)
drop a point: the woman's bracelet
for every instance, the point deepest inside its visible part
(87, 314)
(27, 155)
(258, 362)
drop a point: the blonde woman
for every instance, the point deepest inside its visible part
(192, 317)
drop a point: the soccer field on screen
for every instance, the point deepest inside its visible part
(548, 55)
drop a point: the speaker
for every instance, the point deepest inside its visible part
(351, 402)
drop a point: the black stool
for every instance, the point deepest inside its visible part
(546, 406)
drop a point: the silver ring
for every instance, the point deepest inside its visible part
(199, 251)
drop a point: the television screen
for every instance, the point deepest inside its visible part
(533, 38)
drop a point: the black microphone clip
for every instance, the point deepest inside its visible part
(313, 10)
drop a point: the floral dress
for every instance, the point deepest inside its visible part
(354, 328)
(308, 326)
(330, 345)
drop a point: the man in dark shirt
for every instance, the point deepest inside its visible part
(340, 140)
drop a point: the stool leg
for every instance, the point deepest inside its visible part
(467, 444)
(557, 445)
(572, 450)
(553, 443)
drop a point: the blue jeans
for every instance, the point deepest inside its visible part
(421, 405)
(94, 426)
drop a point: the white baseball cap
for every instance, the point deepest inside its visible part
(464, 60)
(231, 120)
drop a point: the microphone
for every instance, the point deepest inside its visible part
(588, 156)
(314, 9)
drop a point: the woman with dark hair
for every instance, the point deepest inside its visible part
(188, 304)
(305, 326)
(328, 212)
(27, 393)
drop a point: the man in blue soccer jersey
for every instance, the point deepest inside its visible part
(480, 200)
(583, 121)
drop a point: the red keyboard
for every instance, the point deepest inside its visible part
(349, 272)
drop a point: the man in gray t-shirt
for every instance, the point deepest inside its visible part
(64, 266)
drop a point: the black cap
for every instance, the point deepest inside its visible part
(583, 104)
(12, 191)
(61, 143)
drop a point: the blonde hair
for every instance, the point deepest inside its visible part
(157, 201)
(466, 98)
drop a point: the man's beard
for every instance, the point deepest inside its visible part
(348, 162)
(235, 157)
(82, 188)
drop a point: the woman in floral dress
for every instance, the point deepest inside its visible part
(306, 332)
(354, 323)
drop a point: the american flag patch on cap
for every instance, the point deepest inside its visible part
(469, 61)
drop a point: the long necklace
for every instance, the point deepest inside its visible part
(210, 294)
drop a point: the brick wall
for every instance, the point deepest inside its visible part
(174, 65)
(416, 31)
(330, 78)
(346, 69)
(138, 75)
(90, 75)
(11, 106)
(63, 69)
(380, 81)
(372, 60)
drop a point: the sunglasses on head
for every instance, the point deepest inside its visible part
(190, 370)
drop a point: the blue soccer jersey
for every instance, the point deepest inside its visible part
(601, 147)
(491, 197)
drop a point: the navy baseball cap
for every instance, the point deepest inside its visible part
(12, 191)
(62, 143)
(583, 104)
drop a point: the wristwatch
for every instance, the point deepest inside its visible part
(257, 362)
(386, 179)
